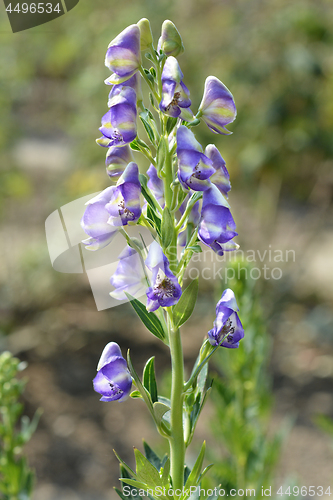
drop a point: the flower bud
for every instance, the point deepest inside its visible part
(170, 41)
(146, 37)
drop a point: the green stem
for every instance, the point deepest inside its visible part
(177, 445)
(149, 83)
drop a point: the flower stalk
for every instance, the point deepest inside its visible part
(184, 206)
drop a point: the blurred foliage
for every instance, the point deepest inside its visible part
(242, 400)
(275, 56)
(16, 478)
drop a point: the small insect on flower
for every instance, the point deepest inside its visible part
(113, 380)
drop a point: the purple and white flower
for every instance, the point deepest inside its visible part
(217, 107)
(117, 159)
(165, 290)
(124, 202)
(119, 123)
(228, 329)
(194, 167)
(221, 175)
(175, 95)
(123, 56)
(129, 276)
(113, 380)
(217, 226)
(115, 206)
(134, 82)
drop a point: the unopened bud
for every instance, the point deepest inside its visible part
(146, 37)
(170, 42)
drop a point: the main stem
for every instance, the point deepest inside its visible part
(177, 446)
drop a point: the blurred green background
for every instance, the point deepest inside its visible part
(276, 57)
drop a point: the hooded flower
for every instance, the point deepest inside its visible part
(165, 290)
(129, 276)
(113, 380)
(117, 160)
(134, 82)
(195, 168)
(124, 200)
(95, 222)
(119, 123)
(221, 175)
(113, 207)
(228, 329)
(175, 95)
(217, 227)
(123, 56)
(170, 41)
(217, 107)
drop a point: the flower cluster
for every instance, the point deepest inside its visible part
(185, 190)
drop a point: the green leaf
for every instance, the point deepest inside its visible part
(151, 205)
(151, 456)
(204, 472)
(153, 71)
(125, 466)
(149, 380)
(142, 144)
(148, 129)
(171, 122)
(184, 307)
(167, 227)
(143, 391)
(132, 482)
(165, 474)
(161, 154)
(121, 495)
(134, 146)
(149, 319)
(195, 248)
(145, 471)
(160, 409)
(135, 394)
(151, 98)
(195, 472)
(151, 214)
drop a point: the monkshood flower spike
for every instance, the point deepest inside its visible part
(113, 380)
(228, 329)
(179, 196)
(217, 108)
